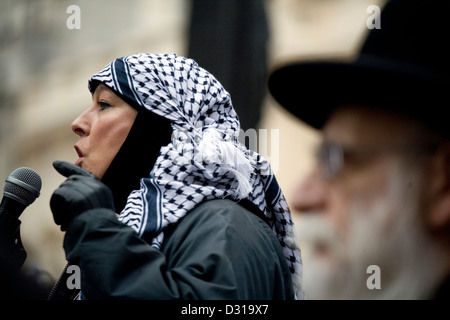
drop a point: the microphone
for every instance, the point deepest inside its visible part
(22, 188)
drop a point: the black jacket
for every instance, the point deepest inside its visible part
(220, 250)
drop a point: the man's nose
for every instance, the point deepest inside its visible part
(310, 194)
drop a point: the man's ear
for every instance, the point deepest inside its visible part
(438, 184)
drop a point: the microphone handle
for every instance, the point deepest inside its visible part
(10, 240)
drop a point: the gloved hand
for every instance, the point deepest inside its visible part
(80, 192)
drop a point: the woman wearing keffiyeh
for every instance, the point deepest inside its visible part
(177, 208)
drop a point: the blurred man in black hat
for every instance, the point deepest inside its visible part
(375, 220)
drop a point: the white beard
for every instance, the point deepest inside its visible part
(387, 234)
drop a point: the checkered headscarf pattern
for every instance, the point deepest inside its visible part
(204, 159)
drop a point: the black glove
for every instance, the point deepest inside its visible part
(80, 192)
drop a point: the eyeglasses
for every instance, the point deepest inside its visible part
(330, 159)
(331, 156)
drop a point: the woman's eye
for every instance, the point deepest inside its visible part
(104, 105)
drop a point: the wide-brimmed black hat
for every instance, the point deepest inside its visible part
(403, 66)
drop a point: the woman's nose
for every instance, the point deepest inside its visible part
(310, 194)
(80, 125)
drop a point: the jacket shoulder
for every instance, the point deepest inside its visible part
(223, 236)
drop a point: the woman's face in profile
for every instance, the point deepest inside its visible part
(102, 129)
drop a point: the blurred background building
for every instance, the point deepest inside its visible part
(45, 64)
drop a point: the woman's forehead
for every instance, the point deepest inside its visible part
(103, 89)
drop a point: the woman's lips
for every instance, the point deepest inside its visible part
(78, 162)
(80, 155)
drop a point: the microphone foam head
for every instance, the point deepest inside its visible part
(23, 185)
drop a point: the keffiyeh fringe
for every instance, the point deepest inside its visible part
(213, 150)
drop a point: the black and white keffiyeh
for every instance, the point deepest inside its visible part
(204, 160)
